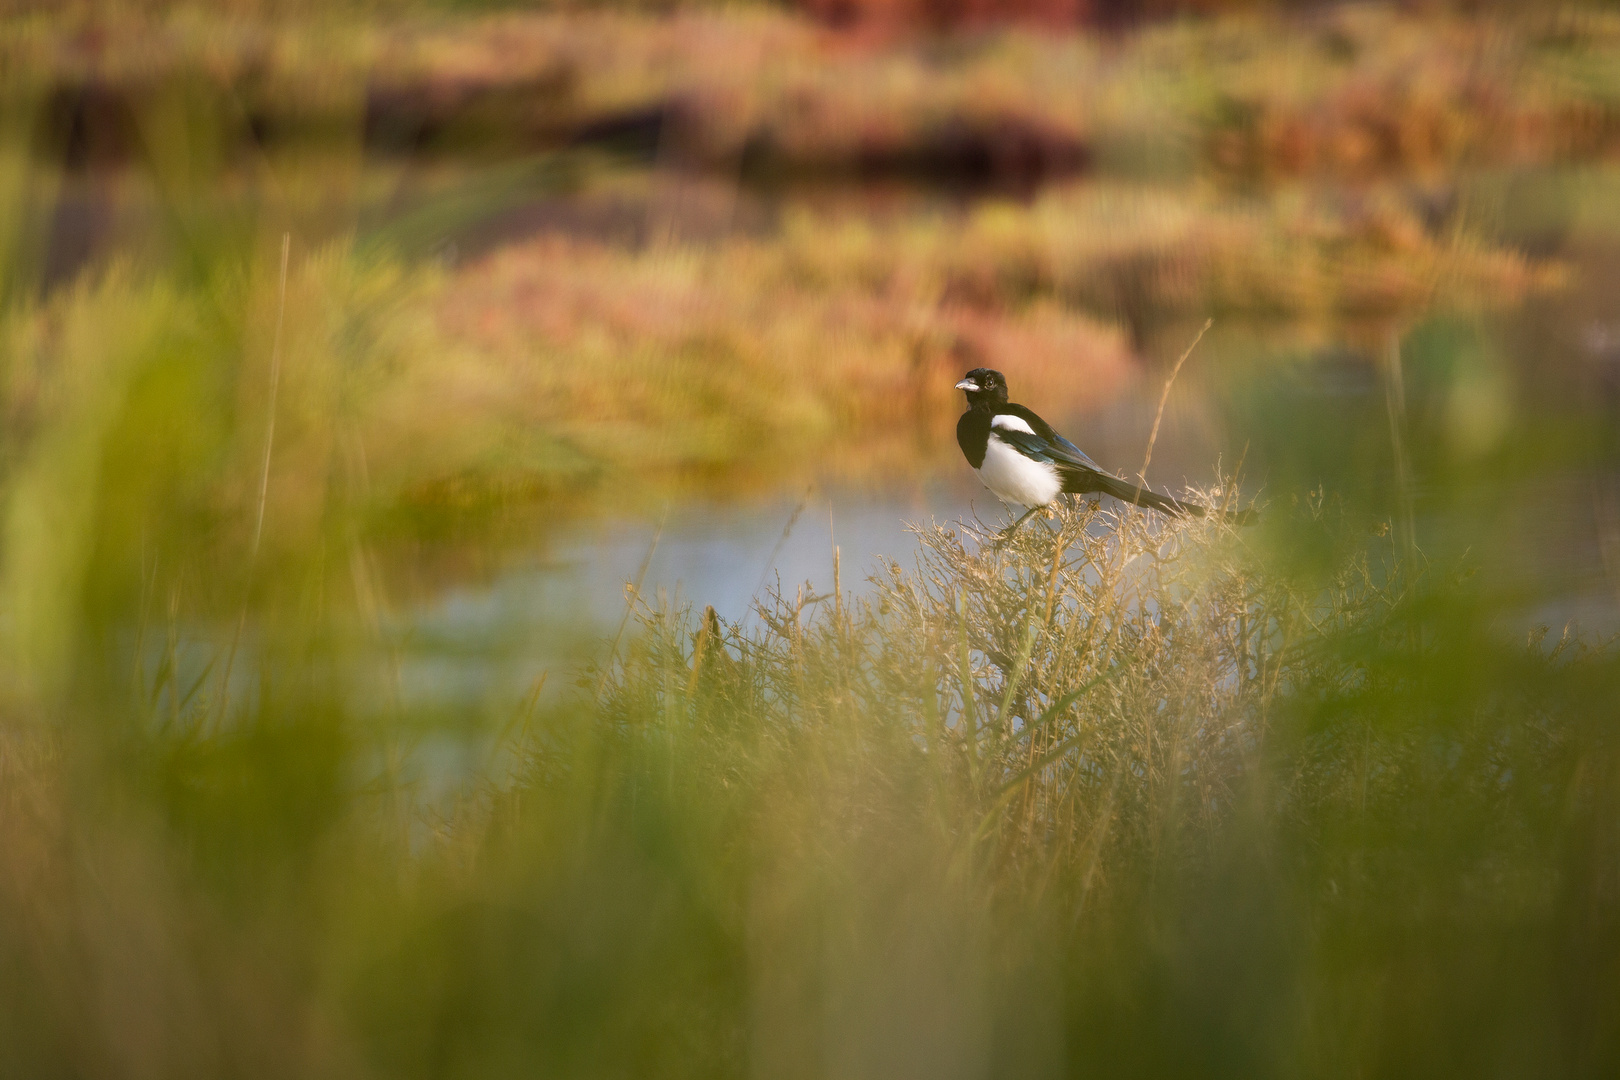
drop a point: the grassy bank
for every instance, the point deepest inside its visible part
(1121, 797)
(567, 367)
(1356, 91)
(842, 335)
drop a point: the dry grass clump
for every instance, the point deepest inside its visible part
(1133, 764)
(1082, 695)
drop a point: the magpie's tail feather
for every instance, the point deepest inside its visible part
(1087, 482)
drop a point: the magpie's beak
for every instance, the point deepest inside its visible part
(969, 385)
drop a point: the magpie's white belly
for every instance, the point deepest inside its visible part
(1014, 478)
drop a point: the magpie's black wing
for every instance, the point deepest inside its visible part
(1055, 447)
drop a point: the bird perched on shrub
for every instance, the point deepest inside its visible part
(1022, 460)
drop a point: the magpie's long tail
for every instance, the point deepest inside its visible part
(1087, 482)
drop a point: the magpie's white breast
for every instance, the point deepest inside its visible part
(1011, 476)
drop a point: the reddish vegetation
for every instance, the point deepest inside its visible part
(678, 358)
(1372, 127)
(936, 14)
(1353, 91)
(891, 15)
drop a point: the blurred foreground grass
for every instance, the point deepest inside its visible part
(1125, 797)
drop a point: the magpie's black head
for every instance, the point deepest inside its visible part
(985, 387)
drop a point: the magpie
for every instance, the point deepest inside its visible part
(1021, 459)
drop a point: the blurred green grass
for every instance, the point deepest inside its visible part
(1124, 797)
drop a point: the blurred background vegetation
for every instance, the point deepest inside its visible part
(354, 356)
